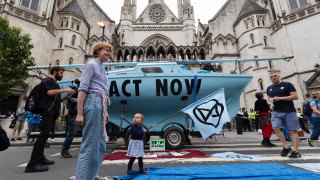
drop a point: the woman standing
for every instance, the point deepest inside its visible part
(92, 113)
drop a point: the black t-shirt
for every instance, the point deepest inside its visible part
(261, 105)
(281, 90)
(50, 103)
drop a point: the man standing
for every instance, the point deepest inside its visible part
(50, 105)
(21, 118)
(282, 95)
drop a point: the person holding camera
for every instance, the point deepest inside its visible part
(72, 126)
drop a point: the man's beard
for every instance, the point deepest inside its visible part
(58, 78)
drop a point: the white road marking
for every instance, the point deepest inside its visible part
(268, 157)
(57, 154)
(22, 165)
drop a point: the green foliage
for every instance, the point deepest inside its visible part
(15, 57)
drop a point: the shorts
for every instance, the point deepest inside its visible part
(285, 120)
(19, 126)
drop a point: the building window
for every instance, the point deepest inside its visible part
(73, 40)
(72, 25)
(258, 21)
(261, 84)
(297, 3)
(257, 62)
(246, 24)
(263, 21)
(273, 10)
(270, 64)
(67, 23)
(31, 4)
(78, 27)
(252, 38)
(57, 62)
(252, 22)
(60, 43)
(265, 40)
(61, 23)
(70, 61)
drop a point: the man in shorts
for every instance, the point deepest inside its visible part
(282, 95)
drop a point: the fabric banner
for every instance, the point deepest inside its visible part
(243, 157)
(209, 113)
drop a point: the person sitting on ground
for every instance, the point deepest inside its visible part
(262, 108)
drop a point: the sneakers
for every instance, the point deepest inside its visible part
(143, 171)
(35, 167)
(19, 139)
(285, 151)
(12, 139)
(66, 155)
(45, 161)
(310, 142)
(295, 154)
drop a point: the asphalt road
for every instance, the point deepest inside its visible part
(14, 159)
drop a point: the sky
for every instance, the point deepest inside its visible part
(203, 9)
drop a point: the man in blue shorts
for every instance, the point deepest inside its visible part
(282, 95)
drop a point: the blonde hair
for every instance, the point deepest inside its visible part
(315, 94)
(99, 46)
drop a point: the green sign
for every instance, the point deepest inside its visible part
(157, 145)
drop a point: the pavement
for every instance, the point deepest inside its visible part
(227, 136)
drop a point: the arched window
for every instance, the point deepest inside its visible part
(70, 61)
(252, 38)
(73, 40)
(270, 64)
(67, 23)
(265, 40)
(246, 24)
(57, 62)
(60, 43)
(263, 21)
(258, 21)
(252, 22)
(257, 62)
(260, 82)
(78, 27)
(61, 23)
(72, 24)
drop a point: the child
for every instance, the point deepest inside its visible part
(33, 124)
(261, 106)
(135, 148)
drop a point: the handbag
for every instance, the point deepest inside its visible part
(13, 123)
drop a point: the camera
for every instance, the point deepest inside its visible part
(72, 102)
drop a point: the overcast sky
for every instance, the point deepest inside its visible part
(203, 9)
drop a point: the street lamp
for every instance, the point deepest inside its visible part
(102, 25)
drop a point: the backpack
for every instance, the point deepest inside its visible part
(33, 100)
(307, 111)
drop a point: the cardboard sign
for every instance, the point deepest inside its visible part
(157, 145)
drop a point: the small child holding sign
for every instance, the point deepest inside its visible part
(136, 146)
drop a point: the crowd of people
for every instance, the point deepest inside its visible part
(88, 107)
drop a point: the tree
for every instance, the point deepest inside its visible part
(15, 57)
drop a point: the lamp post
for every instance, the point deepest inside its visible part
(102, 25)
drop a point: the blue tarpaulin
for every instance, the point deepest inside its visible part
(264, 171)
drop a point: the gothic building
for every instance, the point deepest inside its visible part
(63, 32)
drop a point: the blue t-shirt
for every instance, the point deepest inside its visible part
(313, 103)
(281, 90)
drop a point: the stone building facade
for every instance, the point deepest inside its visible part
(63, 32)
